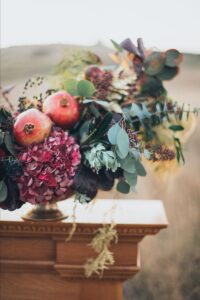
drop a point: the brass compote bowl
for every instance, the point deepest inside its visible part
(47, 211)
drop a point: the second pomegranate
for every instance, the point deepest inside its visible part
(63, 109)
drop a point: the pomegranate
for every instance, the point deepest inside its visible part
(62, 108)
(31, 126)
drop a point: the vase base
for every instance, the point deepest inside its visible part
(47, 212)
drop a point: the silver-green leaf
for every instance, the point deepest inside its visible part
(112, 134)
(9, 143)
(123, 143)
(139, 168)
(128, 164)
(131, 178)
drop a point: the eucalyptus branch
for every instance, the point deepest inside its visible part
(88, 137)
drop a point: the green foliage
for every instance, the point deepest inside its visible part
(139, 168)
(123, 143)
(123, 187)
(3, 191)
(152, 86)
(82, 198)
(113, 133)
(103, 126)
(173, 58)
(131, 178)
(6, 135)
(179, 150)
(196, 111)
(98, 130)
(85, 88)
(10, 167)
(103, 103)
(147, 154)
(4, 115)
(71, 86)
(98, 157)
(8, 140)
(154, 63)
(176, 127)
(159, 66)
(128, 164)
(168, 73)
(140, 111)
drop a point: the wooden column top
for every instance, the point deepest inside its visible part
(42, 246)
(127, 212)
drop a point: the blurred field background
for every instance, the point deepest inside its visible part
(171, 260)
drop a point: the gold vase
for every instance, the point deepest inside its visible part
(45, 212)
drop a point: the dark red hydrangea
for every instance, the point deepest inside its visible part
(48, 168)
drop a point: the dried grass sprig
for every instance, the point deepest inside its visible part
(74, 224)
(101, 243)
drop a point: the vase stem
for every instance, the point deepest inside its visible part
(44, 212)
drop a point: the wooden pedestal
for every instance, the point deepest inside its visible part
(37, 263)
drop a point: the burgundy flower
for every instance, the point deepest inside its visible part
(48, 168)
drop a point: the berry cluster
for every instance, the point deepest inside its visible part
(102, 81)
(161, 153)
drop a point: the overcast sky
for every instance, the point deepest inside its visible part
(161, 23)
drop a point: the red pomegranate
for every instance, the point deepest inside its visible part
(62, 108)
(31, 126)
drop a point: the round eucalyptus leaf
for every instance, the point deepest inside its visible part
(128, 164)
(173, 58)
(154, 63)
(168, 73)
(123, 187)
(71, 86)
(85, 88)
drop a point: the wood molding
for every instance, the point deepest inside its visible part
(34, 254)
(62, 229)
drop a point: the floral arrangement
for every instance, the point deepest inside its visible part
(95, 126)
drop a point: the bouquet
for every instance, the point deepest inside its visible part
(93, 128)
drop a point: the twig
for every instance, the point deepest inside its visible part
(5, 92)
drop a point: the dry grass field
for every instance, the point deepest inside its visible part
(171, 260)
